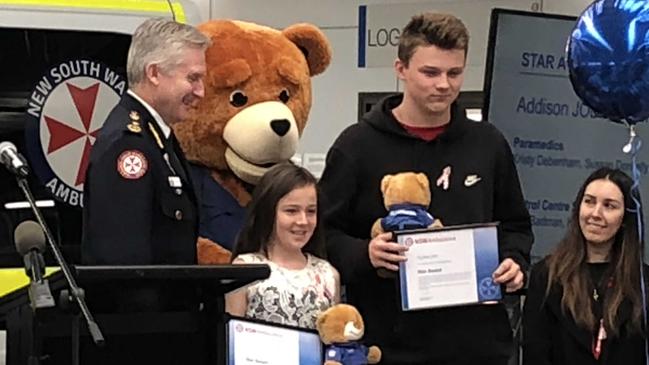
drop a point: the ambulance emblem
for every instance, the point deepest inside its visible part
(65, 112)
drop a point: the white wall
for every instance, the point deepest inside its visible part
(198, 10)
(336, 91)
(568, 7)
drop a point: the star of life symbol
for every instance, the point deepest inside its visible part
(66, 110)
(132, 164)
(488, 288)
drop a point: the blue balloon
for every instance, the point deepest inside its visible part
(608, 59)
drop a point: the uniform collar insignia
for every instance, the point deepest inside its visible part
(134, 125)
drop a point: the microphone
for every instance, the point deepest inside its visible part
(29, 239)
(13, 160)
(30, 244)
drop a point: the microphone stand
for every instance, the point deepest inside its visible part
(76, 292)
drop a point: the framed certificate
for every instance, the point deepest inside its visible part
(251, 341)
(449, 266)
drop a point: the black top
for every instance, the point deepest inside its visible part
(552, 337)
(139, 202)
(599, 283)
(356, 163)
(597, 270)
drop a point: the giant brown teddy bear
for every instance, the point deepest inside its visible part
(256, 105)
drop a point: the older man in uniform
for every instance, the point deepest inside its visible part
(139, 204)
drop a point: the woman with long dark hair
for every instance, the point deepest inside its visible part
(584, 302)
(282, 229)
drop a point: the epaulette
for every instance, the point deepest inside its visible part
(134, 126)
(156, 136)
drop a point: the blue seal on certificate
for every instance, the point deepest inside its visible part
(488, 289)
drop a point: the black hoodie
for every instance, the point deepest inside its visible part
(356, 163)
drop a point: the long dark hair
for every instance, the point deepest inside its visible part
(568, 268)
(261, 213)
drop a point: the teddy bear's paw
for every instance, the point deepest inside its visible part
(437, 224)
(373, 355)
(376, 228)
(211, 253)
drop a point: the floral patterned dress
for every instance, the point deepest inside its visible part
(291, 297)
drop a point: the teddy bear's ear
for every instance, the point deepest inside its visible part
(313, 43)
(385, 182)
(423, 181)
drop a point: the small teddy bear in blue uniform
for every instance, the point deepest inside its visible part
(340, 328)
(406, 196)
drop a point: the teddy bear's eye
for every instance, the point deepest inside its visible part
(284, 96)
(238, 98)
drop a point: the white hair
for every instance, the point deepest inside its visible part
(160, 41)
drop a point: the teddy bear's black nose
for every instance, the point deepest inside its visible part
(280, 126)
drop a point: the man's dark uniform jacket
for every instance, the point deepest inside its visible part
(139, 202)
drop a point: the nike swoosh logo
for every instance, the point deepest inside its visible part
(471, 180)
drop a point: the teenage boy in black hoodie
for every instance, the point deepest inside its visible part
(473, 180)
